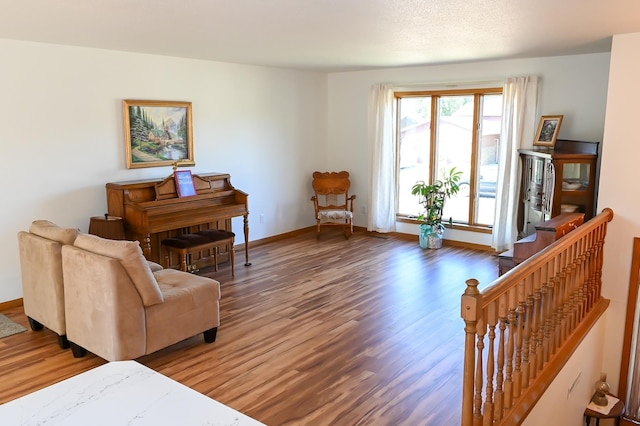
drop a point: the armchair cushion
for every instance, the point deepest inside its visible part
(190, 303)
(132, 259)
(51, 231)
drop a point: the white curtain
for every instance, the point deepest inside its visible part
(382, 186)
(520, 96)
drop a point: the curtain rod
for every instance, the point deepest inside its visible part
(449, 84)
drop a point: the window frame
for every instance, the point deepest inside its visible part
(435, 94)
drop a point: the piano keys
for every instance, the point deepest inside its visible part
(153, 211)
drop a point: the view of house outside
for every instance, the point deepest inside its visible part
(453, 147)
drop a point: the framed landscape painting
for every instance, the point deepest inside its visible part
(158, 133)
(548, 130)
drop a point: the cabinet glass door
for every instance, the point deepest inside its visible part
(575, 187)
(537, 170)
(575, 176)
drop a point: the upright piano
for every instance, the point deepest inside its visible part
(153, 211)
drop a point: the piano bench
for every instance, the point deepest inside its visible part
(210, 239)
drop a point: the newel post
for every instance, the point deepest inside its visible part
(469, 313)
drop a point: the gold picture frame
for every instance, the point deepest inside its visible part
(158, 133)
(548, 130)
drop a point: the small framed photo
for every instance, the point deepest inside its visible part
(158, 133)
(548, 130)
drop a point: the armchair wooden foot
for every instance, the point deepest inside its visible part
(35, 325)
(63, 342)
(210, 335)
(78, 351)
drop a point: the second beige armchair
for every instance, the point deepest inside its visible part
(41, 268)
(118, 309)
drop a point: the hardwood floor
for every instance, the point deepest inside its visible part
(365, 331)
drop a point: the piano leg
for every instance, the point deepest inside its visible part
(146, 246)
(246, 240)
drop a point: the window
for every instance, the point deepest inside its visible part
(445, 129)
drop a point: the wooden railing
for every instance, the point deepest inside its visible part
(522, 328)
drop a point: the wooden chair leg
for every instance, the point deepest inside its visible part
(349, 230)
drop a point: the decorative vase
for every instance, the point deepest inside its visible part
(602, 389)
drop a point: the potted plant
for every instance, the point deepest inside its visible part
(432, 198)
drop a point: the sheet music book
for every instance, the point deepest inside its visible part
(184, 183)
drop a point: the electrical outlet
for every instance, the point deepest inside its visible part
(364, 209)
(261, 218)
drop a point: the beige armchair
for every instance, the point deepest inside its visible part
(118, 308)
(42, 281)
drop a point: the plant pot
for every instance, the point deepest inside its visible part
(425, 230)
(430, 239)
(434, 240)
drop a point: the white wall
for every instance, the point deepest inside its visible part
(558, 406)
(575, 86)
(619, 189)
(62, 135)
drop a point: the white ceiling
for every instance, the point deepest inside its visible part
(326, 35)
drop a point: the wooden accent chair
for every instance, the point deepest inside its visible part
(332, 203)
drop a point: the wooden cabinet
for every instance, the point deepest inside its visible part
(557, 180)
